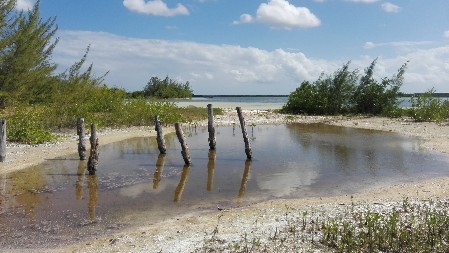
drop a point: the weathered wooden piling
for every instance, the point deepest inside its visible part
(94, 144)
(210, 169)
(210, 127)
(2, 140)
(159, 136)
(248, 150)
(81, 131)
(185, 149)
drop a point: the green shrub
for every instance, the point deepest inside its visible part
(26, 125)
(426, 107)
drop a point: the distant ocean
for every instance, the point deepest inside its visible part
(252, 102)
(245, 102)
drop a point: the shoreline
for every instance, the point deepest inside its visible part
(188, 231)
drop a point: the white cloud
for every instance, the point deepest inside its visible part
(446, 34)
(25, 5)
(244, 18)
(280, 13)
(391, 8)
(403, 45)
(230, 69)
(363, 1)
(155, 7)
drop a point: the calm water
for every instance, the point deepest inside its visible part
(57, 202)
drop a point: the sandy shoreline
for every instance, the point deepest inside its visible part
(184, 234)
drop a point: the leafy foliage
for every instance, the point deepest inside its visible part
(345, 92)
(25, 67)
(27, 125)
(426, 107)
(167, 88)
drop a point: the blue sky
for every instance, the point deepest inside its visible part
(252, 46)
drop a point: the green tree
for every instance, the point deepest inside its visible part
(26, 68)
(167, 88)
(373, 97)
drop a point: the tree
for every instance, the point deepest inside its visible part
(167, 88)
(26, 68)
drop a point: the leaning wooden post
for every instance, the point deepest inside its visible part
(245, 135)
(160, 135)
(185, 149)
(210, 127)
(81, 131)
(2, 140)
(93, 158)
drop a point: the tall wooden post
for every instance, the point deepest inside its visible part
(245, 135)
(80, 130)
(93, 158)
(210, 127)
(185, 149)
(159, 136)
(2, 140)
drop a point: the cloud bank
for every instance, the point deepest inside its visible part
(231, 69)
(25, 5)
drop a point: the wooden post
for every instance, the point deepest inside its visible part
(210, 127)
(80, 130)
(160, 136)
(185, 149)
(2, 140)
(93, 158)
(245, 135)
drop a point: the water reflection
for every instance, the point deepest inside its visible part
(159, 169)
(212, 155)
(244, 181)
(289, 161)
(92, 185)
(182, 183)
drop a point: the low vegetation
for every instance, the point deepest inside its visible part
(393, 227)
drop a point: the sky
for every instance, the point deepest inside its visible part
(251, 46)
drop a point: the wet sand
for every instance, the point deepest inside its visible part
(187, 232)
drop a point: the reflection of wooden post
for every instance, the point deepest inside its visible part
(185, 149)
(2, 140)
(159, 168)
(92, 185)
(210, 127)
(182, 183)
(80, 130)
(79, 180)
(210, 169)
(160, 136)
(244, 180)
(245, 135)
(93, 158)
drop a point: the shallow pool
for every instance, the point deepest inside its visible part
(56, 202)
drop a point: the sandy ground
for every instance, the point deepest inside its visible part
(190, 231)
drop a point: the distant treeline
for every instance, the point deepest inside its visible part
(438, 95)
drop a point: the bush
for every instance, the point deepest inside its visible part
(426, 107)
(26, 125)
(343, 92)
